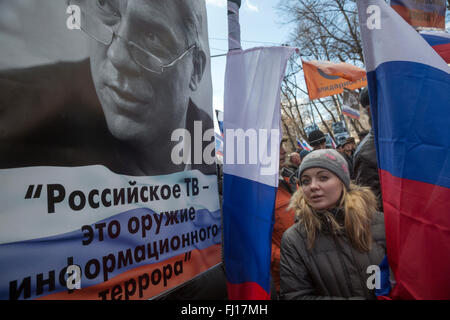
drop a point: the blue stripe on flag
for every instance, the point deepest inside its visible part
(413, 129)
(434, 40)
(385, 283)
(249, 222)
(350, 111)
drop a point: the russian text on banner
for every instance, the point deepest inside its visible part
(121, 234)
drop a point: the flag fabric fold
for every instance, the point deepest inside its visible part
(304, 145)
(426, 14)
(350, 106)
(219, 144)
(409, 88)
(439, 41)
(325, 78)
(340, 69)
(219, 116)
(252, 120)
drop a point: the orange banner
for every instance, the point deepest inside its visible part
(324, 78)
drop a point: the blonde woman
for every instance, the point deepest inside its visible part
(337, 236)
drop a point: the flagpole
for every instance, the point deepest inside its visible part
(234, 28)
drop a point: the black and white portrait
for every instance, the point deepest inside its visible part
(146, 75)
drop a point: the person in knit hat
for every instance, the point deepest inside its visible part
(338, 233)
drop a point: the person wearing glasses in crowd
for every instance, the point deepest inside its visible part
(120, 107)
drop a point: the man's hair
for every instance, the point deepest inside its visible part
(195, 17)
(292, 154)
(364, 97)
(362, 134)
(349, 140)
(316, 138)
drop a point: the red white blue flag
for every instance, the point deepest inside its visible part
(252, 120)
(440, 41)
(409, 87)
(304, 145)
(219, 144)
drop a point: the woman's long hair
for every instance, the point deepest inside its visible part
(358, 204)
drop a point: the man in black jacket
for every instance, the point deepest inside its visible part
(365, 166)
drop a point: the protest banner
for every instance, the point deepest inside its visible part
(324, 78)
(108, 181)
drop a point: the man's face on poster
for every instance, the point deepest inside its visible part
(140, 99)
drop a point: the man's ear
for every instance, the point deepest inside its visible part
(199, 68)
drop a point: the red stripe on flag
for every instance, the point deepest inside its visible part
(351, 115)
(417, 223)
(444, 51)
(246, 291)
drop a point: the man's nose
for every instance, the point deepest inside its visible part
(120, 55)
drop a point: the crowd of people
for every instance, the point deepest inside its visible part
(329, 225)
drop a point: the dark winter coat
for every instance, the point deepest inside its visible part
(333, 268)
(365, 167)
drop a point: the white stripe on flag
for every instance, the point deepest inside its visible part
(386, 27)
(252, 109)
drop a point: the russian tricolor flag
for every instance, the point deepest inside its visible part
(252, 137)
(219, 144)
(304, 145)
(409, 85)
(440, 41)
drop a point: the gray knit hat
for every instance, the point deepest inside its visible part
(329, 159)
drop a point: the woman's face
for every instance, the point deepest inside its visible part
(322, 188)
